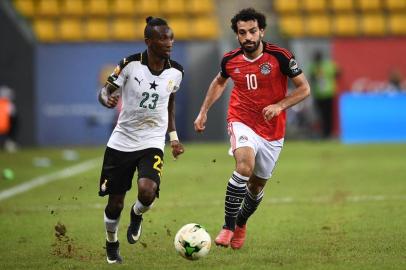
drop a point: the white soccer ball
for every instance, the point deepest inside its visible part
(192, 241)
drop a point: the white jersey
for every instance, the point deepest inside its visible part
(143, 120)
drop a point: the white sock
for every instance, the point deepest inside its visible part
(111, 228)
(140, 209)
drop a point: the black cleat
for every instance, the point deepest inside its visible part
(134, 230)
(113, 252)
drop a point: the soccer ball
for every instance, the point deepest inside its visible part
(192, 241)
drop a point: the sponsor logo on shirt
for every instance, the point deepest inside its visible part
(138, 80)
(237, 70)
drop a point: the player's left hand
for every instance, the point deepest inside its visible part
(177, 148)
(271, 111)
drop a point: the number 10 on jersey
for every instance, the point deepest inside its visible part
(252, 83)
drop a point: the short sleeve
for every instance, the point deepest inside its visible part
(223, 71)
(119, 75)
(174, 84)
(177, 83)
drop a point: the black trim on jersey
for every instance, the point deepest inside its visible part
(177, 66)
(286, 65)
(143, 58)
(110, 80)
(121, 65)
(168, 64)
(134, 57)
(227, 57)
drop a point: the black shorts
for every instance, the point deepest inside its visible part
(119, 168)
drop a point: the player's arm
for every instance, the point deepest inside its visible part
(301, 91)
(177, 147)
(214, 92)
(107, 97)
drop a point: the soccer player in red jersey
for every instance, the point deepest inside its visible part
(256, 116)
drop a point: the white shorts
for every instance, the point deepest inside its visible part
(266, 152)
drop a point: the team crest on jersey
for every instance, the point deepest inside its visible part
(265, 68)
(243, 139)
(171, 86)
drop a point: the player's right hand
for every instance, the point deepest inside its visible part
(177, 149)
(112, 101)
(200, 122)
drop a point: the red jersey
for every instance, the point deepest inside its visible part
(258, 83)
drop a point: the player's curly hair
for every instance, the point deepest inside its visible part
(151, 22)
(248, 14)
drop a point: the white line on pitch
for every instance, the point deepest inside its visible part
(45, 179)
(280, 200)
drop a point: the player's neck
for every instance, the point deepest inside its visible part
(155, 62)
(256, 53)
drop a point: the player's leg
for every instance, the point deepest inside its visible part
(235, 193)
(244, 154)
(115, 180)
(112, 214)
(265, 162)
(147, 189)
(236, 186)
(149, 173)
(253, 197)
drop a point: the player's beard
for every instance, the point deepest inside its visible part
(250, 49)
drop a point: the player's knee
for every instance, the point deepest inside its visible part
(147, 192)
(244, 169)
(113, 210)
(146, 197)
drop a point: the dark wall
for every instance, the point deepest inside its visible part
(16, 71)
(204, 64)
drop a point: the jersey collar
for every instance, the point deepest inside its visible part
(144, 61)
(252, 60)
(256, 58)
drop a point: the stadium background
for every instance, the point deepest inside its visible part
(55, 54)
(330, 205)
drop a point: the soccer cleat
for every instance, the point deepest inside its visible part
(134, 230)
(239, 237)
(224, 238)
(113, 252)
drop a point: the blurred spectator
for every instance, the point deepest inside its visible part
(395, 82)
(8, 119)
(323, 73)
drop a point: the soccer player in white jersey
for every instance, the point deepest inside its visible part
(256, 117)
(147, 83)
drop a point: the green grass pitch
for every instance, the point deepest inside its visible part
(328, 206)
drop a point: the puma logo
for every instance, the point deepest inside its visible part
(138, 81)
